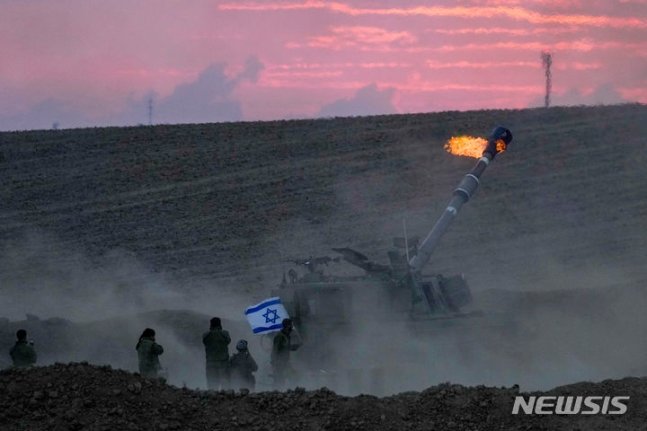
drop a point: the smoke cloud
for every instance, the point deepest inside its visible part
(209, 98)
(369, 100)
(77, 307)
(605, 94)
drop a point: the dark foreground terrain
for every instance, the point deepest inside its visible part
(84, 397)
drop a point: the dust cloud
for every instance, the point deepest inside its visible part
(537, 340)
(584, 325)
(557, 322)
(567, 324)
(81, 308)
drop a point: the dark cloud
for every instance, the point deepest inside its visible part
(605, 94)
(253, 68)
(207, 99)
(210, 98)
(368, 100)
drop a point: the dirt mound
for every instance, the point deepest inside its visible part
(79, 396)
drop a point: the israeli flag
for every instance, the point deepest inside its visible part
(266, 316)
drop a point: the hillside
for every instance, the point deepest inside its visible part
(564, 207)
(107, 231)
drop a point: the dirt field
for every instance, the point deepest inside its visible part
(106, 231)
(226, 201)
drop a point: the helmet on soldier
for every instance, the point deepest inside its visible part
(215, 323)
(241, 346)
(148, 332)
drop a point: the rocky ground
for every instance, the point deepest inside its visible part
(78, 396)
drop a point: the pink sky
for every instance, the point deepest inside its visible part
(97, 62)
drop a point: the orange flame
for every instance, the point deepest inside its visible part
(470, 146)
(467, 146)
(500, 146)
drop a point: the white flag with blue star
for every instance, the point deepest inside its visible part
(266, 316)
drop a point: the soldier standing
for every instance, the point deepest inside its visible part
(148, 352)
(216, 347)
(281, 348)
(242, 366)
(23, 353)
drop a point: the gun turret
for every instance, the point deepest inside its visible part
(498, 141)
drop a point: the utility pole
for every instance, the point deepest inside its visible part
(547, 61)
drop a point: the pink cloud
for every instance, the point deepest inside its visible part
(578, 66)
(557, 4)
(507, 64)
(479, 65)
(414, 85)
(305, 83)
(356, 36)
(318, 74)
(433, 87)
(359, 37)
(583, 45)
(144, 72)
(379, 65)
(505, 31)
(514, 13)
(100, 60)
(376, 65)
(300, 73)
(638, 94)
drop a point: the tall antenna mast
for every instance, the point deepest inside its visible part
(547, 61)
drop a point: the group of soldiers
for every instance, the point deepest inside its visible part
(223, 371)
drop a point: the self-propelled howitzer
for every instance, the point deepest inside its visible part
(399, 290)
(436, 294)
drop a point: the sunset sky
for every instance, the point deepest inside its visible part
(99, 62)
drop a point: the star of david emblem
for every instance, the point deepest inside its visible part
(271, 316)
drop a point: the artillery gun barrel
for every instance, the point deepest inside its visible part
(498, 140)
